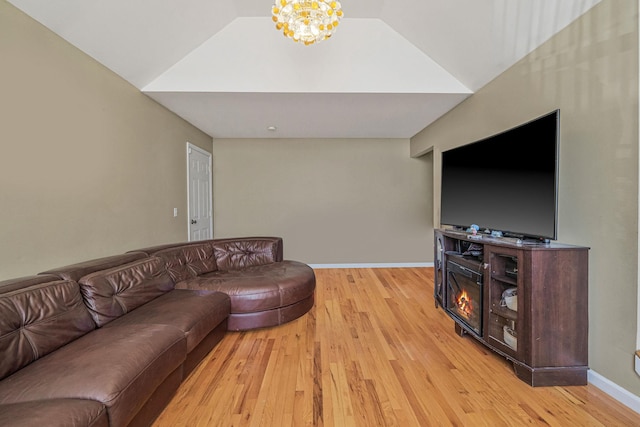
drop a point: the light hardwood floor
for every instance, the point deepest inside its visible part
(374, 351)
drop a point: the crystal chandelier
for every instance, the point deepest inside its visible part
(307, 21)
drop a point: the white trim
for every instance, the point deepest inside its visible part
(638, 246)
(190, 147)
(614, 390)
(374, 265)
(423, 152)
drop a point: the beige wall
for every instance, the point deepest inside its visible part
(590, 72)
(89, 166)
(333, 201)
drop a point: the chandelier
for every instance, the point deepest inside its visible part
(307, 21)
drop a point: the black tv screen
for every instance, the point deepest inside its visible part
(507, 182)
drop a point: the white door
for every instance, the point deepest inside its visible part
(199, 193)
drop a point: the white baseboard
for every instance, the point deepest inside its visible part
(614, 390)
(374, 265)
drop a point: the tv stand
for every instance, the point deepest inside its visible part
(547, 339)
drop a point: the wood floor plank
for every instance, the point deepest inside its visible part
(374, 351)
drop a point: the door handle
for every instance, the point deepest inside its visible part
(193, 221)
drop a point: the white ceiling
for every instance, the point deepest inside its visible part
(392, 68)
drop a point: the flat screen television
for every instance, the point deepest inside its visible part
(506, 183)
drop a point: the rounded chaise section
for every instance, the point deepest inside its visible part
(263, 295)
(264, 289)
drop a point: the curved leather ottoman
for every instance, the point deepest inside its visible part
(263, 295)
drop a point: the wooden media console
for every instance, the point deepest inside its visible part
(533, 299)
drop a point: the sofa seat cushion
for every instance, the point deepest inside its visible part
(195, 313)
(55, 413)
(259, 288)
(120, 367)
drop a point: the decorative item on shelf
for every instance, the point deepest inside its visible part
(510, 299)
(510, 337)
(474, 249)
(473, 229)
(511, 268)
(307, 21)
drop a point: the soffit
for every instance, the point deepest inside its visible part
(392, 68)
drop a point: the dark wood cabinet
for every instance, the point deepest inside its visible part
(534, 302)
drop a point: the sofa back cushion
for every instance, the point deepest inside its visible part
(236, 254)
(200, 259)
(152, 250)
(112, 293)
(25, 282)
(175, 264)
(81, 269)
(188, 261)
(37, 319)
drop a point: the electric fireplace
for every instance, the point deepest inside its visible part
(464, 292)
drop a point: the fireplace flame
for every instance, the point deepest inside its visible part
(464, 303)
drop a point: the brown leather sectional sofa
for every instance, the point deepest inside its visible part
(107, 342)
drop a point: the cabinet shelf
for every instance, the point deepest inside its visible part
(505, 279)
(546, 338)
(504, 312)
(497, 336)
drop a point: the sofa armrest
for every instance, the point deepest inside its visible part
(239, 253)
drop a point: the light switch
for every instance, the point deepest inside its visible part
(175, 212)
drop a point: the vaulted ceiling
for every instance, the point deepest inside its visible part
(392, 68)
